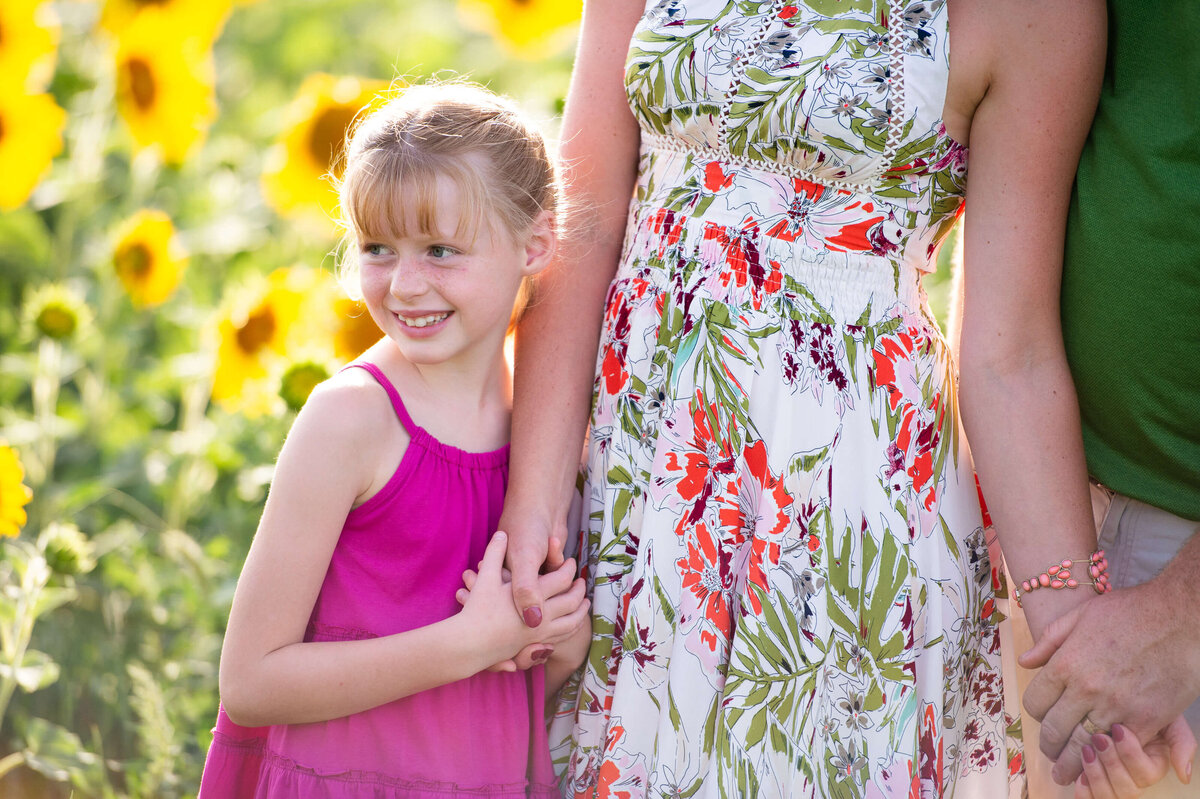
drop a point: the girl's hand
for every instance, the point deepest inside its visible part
(566, 609)
(1119, 767)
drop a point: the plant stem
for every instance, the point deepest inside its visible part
(10, 762)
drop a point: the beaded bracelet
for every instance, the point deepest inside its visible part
(1059, 576)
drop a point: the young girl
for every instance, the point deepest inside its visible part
(347, 658)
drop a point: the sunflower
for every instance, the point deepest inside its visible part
(147, 258)
(28, 40)
(164, 84)
(255, 336)
(311, 146)
(56, 312)
(30, 136)
(526, 28)
(299, 380)
(201, 18)
(354, 329)
(14, 494)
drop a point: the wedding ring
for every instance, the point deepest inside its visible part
(1092, 728)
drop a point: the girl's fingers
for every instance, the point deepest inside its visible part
(1095, 776)
(567, 601)
(504, 665)
(469, 578)
(1119, 776)
(493, 556)
(461, 596)
(559, 580)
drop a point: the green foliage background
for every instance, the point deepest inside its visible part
(115, 426)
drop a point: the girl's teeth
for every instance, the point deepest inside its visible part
(424, 321)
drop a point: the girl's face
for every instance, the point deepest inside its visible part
(445, 297)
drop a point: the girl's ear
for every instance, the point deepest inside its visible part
(540, 244)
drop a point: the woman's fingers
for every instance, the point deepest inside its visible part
(1145, 765)
(1182, 743)
(525, 558)
(1119, 772)
(1095, 777)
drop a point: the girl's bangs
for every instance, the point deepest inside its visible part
(387, 196)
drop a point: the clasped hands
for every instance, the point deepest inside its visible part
(1118, 666)
(565, 627)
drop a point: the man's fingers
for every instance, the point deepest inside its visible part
(1052, 638)
(1068, 763)
(1182, 743)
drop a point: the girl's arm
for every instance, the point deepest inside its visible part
(559, 334)
(268, 674)
(1039, 67)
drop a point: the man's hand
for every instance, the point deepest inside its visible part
(1127, 657)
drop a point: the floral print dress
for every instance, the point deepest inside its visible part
(781, 531)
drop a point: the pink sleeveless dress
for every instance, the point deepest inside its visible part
(396, 567)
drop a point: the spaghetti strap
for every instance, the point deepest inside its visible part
(410, 426)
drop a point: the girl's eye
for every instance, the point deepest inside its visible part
(440, 251)
(375, 249)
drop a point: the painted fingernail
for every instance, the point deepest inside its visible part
(533, 617)
(1100, 742)
(1188, 771)
(1089, 754)
(1083, 780)
(541, 656)
(1118, 733)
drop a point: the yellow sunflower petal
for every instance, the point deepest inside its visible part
(164, 84)
(526, 28)
(147, 258)
(201, 18)
(355, 330)
(30, 136)
(28, 41)
(256, 335)
(310, 147)
(14, 494)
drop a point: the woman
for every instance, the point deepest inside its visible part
(792, 590)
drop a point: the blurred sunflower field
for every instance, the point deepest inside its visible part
(167, 302)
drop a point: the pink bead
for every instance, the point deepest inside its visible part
(1056, 583)
(1072, 583)
(1044, 579)
(1066, 564)
(1025, 586)
(1064, 574)
(1100, 553)
(1053, 570)
(1095, 571)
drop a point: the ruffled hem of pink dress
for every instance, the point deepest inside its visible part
(260, 773)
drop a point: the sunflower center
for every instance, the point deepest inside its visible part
(258, 330)
(1, 128)
(144, 3)
(134, 261)
(328, 135)
(56, 321)
(141, 83)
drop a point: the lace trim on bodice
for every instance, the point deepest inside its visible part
(721, 151)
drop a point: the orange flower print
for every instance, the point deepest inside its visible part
(707, 573)
(701, 461)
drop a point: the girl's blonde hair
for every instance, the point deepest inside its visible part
(396, 152)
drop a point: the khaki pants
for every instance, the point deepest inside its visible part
(1139, 540)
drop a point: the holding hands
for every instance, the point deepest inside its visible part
(1122, 657)
(564, 633)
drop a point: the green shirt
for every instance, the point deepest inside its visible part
(1131, 282)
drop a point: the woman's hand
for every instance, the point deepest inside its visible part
(1119, 767)
(533, 544)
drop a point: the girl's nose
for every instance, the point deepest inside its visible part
(408, 280)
